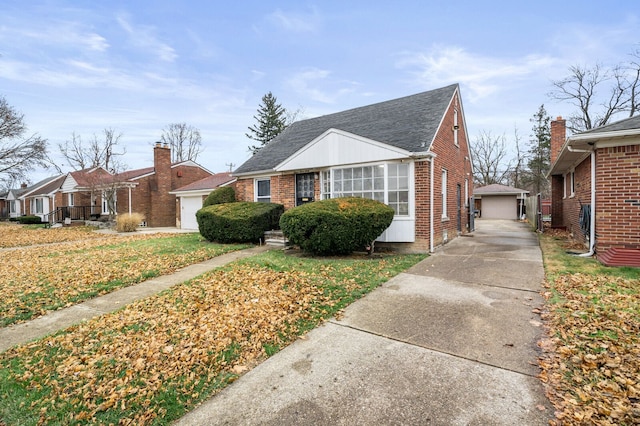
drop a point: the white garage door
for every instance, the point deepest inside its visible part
(189, 207)
(499, 207)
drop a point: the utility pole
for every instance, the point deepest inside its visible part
(231, 166)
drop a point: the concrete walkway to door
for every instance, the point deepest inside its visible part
(452, 341)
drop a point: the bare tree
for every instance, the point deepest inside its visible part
(599, 93)
(184, 140)
(19, 154)
(518, 170)
(99, 152)
(491, 164)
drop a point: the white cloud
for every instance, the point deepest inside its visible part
(482, 75)
(316, 84)
(143, 37)
(296, 22)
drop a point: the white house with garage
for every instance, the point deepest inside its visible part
(191, 197)
(500, 202)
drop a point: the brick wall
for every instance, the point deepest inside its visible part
(618, 197)
(558, 137)
(571, 203)
(456, 160)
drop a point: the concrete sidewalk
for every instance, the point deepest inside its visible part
(452, 341)
(63, 318)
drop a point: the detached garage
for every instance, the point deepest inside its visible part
(190, 198)
(500, 202)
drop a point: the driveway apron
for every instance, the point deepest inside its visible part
(452, 341)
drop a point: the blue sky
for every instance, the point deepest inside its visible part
(137, 66)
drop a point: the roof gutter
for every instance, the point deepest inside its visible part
(592, 216)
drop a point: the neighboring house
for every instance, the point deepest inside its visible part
(411, 153)
(42, 198)
(4, 207)
(14, 205)
(191, 197)
(500, 201)
(146, 191)
(595, 184)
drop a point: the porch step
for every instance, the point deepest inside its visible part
(275, 238)
(620, 257)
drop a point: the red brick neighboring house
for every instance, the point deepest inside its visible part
(145, 191)
(191, 197)
(595, 184)
(411, 153)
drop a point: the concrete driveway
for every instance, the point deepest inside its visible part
(452, 341)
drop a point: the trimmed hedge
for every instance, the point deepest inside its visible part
(225, 194)
(337, 225)
(238, 222)
(29, 220)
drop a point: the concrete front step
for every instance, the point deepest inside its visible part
(275, 238)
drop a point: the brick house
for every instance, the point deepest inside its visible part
(42, 198)
(595, 188)
(411, 153)
(145, 191)
(191, 197)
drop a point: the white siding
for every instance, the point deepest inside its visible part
(335, 148)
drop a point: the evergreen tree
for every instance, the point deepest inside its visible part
(539, 161)
(271, 121)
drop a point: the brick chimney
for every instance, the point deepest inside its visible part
(558, 137)
(162, 203)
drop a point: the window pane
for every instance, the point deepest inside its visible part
(393, 170)
(378, 171)
(378, 196)
(264, 188)
(357, 173)
(347, 173)
(393, 197)
(357, 185)
(393, 184)
(378, 183)
(403, 196)
(366, 172)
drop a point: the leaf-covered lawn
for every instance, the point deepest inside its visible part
(34, 280)
(591, 366)
(155, 359)
(15, 235)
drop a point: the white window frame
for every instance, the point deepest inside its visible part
(466, 192)
(12, 206)
(34, 205)
(261, 198)
(455, 127)
(572, 182)
(332, 185)
(71, 199)
(564, 186)
(444, 194)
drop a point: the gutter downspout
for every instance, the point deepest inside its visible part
(431, 227)
(592, 219)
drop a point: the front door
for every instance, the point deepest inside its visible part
(304, 188)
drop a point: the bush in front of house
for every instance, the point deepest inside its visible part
(336, 226)
(128, 222)
(29, 220)
(225, 194)
(238, 222)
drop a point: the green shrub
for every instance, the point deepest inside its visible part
(29, 220)
(238, 222)
(225, 194)
(128, 222)
(336, 226)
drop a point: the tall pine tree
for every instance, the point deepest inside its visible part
(271, 121)
(540, 152)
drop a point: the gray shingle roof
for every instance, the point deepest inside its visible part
(409, 123)
(626, 124)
